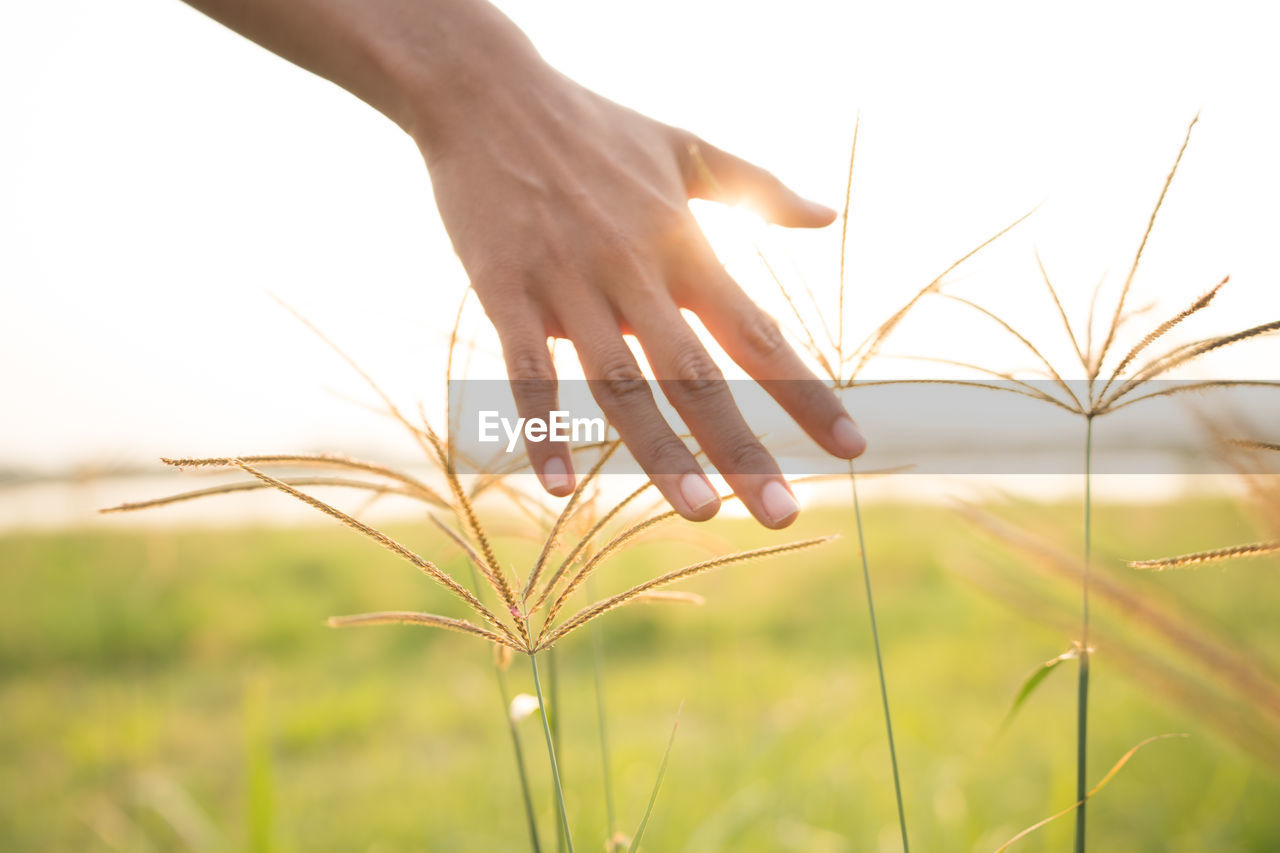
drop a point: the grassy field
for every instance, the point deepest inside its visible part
(178, 690)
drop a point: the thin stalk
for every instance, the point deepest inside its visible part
(1082, 688)
(551, 751)
(525, 791)
(524, 776)
(597, 648)
(553, 716)
(875, 638)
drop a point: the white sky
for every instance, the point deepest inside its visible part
(159, 175)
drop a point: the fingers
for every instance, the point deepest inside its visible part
(752, 339)
(623, 393)
(696, 388)
(532, 377)
(719, 176)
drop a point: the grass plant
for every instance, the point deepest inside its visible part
(526, 617)
(842, 362)
(1113, 378)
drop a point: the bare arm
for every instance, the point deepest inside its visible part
(570, 215)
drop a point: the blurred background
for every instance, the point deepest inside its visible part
(167, 681)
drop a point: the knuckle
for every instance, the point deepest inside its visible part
(762, 335)
(695, 373)
(612, 244)
(771, 181)
(530, 366)
(665, 454)
(816, 397)
(622, 383)
(748, 457)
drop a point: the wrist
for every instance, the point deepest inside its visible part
(445, 78)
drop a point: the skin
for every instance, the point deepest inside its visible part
(570, 215)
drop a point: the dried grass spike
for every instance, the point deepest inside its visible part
(870, 346)
(1187, 388)
(613, 602)
(1164, 328)
(991, 315)
(1092, 361)
(376, 488)
(463, 545)
(596, 559)
(323, 460)
(406, 617)
(392, 409)
(1062, 312)
(1255, 445)
(492, 568)
(1137, 258)
(969, 383)
(569, 508)
(1186, 353)
(586, 539)
(844, 243)
(669, 596)
(448, 361)
(387, 542)
(1031, 390)
(1185, 561)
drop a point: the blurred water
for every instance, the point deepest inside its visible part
(56, 503)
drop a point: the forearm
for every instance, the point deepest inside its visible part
(421, 63)
(569, 214)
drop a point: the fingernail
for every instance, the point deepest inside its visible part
(779, 505)
(848, 440)
(696, 491)
(555, 475)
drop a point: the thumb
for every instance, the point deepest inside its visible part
(717, 175)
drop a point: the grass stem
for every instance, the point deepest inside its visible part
(1082, 685)
(519, 753)
(526, 792)
(606, 768)
(553, 717)
(551, 752)
(875, 638)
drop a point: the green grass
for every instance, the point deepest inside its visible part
(136, 655)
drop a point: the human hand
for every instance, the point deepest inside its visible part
(570, 215)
